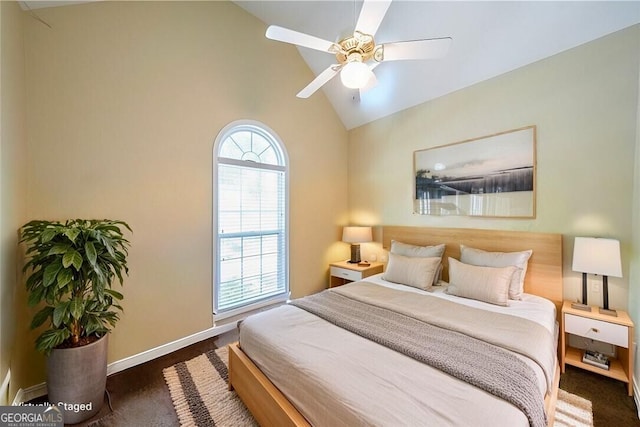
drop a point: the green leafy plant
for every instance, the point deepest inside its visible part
(72, 268)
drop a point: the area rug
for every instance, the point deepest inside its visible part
(572, 410)
(200, 393)
(201, 396)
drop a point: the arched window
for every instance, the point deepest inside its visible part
(250, 218)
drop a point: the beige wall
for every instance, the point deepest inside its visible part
(584, 103)
(12, 179)
(124, 102)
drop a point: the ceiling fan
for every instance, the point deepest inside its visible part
(358, 54)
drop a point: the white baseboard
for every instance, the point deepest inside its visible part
(39, 390)
(29, 393)
(145, 356)
(4, 389)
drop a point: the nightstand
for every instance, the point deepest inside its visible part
(617, 331)
(344, 272)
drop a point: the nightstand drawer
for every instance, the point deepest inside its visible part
(346, 274)
(597, 330)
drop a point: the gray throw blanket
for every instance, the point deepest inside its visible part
(476, 362)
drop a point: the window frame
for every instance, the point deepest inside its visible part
(271, 136)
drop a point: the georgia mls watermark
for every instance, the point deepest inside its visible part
(29, 415)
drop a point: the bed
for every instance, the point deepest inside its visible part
(295, 367)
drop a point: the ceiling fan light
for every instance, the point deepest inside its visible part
(355, 75)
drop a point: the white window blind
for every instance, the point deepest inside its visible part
(251, 252)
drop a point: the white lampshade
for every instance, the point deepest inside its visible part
(355, 75)
(597, 256)
(356, 234)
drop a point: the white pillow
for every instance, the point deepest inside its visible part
(414, 251)
(500, 259)
(488, 284)
(406, 249)
(416, 272)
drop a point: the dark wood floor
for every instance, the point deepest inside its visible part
(140, 397)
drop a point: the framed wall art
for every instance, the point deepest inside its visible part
(489, 176)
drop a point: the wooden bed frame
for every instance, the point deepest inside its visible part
(544, 278)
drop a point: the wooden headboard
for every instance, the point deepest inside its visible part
(544, 271)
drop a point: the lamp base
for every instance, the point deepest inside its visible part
(608, 312)
(579, 306)
(355, 254)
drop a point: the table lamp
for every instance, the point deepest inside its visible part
(355, 236)
(593, 255)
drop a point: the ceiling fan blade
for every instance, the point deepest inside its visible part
(320, 80)
(294, 37)
(371, 15)
(416, 49)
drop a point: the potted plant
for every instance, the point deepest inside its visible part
(71, 269)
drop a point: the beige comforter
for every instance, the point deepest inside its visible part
(336, 378)
(512, 333)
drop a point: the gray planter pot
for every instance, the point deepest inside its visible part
(76, 380)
